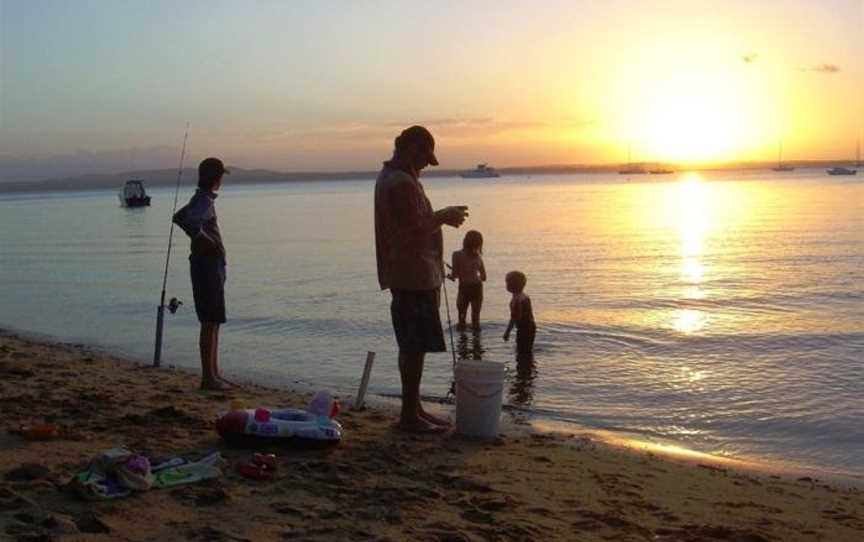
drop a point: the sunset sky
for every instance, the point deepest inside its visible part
(105, 86)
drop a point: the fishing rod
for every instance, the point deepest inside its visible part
(173, 304)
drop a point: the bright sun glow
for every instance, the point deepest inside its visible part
(693, 117)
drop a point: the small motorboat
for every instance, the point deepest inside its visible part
(133, 194)
(482, 171)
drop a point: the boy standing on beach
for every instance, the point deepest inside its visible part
(521, 314)
(207, 266)
(409, 250)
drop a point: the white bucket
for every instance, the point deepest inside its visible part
(479, 391)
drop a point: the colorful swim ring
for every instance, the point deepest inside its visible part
(283, 426)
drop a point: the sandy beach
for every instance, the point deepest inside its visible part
(378, 484)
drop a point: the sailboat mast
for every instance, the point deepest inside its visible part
(779, 154)
(858, 153)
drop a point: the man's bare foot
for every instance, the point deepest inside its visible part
(419, 426)
(433, 419)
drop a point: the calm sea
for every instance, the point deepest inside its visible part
(722, 312)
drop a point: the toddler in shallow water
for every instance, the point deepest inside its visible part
(521, 314)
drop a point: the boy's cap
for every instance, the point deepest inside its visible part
(210, 168)
(421, 137)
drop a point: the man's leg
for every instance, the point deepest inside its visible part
(411, 371)
(207, 344)
(214, 352)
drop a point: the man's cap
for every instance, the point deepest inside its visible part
(211, 168)
(421, 137)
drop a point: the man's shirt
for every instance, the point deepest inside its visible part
(408, 241)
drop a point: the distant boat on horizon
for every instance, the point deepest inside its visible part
(841, 171)
(133, 194)
(661, 171)
(837, 170)
(482, 171)
(780, 166)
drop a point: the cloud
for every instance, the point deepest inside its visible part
(750, 58)
(822, 68)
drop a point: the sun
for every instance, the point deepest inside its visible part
(693, 117)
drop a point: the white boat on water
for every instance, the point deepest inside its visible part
(482, 171)
(133, 194)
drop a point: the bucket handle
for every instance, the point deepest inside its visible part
(476, 393)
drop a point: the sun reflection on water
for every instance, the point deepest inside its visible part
(694, 213)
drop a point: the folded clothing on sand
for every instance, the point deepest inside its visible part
(117, 472)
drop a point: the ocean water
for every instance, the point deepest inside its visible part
(721, 312)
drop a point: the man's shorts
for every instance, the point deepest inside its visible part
(208, 288)
(416, 320)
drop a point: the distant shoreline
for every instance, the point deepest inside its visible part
(168, 177)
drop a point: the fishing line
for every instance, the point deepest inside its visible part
(160, 313)
(450, 327)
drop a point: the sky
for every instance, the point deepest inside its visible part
(106, 86)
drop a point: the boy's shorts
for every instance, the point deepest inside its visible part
(208, 288)
(525, 333)
(416, 320)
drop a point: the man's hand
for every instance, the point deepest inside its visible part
(202, 244)
(454, 215)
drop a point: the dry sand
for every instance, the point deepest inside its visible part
(377, 485)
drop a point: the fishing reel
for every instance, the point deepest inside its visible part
(173, 305)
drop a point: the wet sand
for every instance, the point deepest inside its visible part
(378, 484)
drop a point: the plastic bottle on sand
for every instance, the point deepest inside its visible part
(323, 404)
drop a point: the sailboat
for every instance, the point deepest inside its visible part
(845, 170)
(631, 169)
(780, 166)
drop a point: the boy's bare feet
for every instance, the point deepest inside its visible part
(213, 385)
(224, 380)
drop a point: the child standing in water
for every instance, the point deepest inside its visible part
(521, 314)
(468, 268)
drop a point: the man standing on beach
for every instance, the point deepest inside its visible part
(409, 250)
(207, 266)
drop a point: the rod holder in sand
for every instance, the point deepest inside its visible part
(364, 382)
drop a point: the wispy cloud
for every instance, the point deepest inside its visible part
(822, 68)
